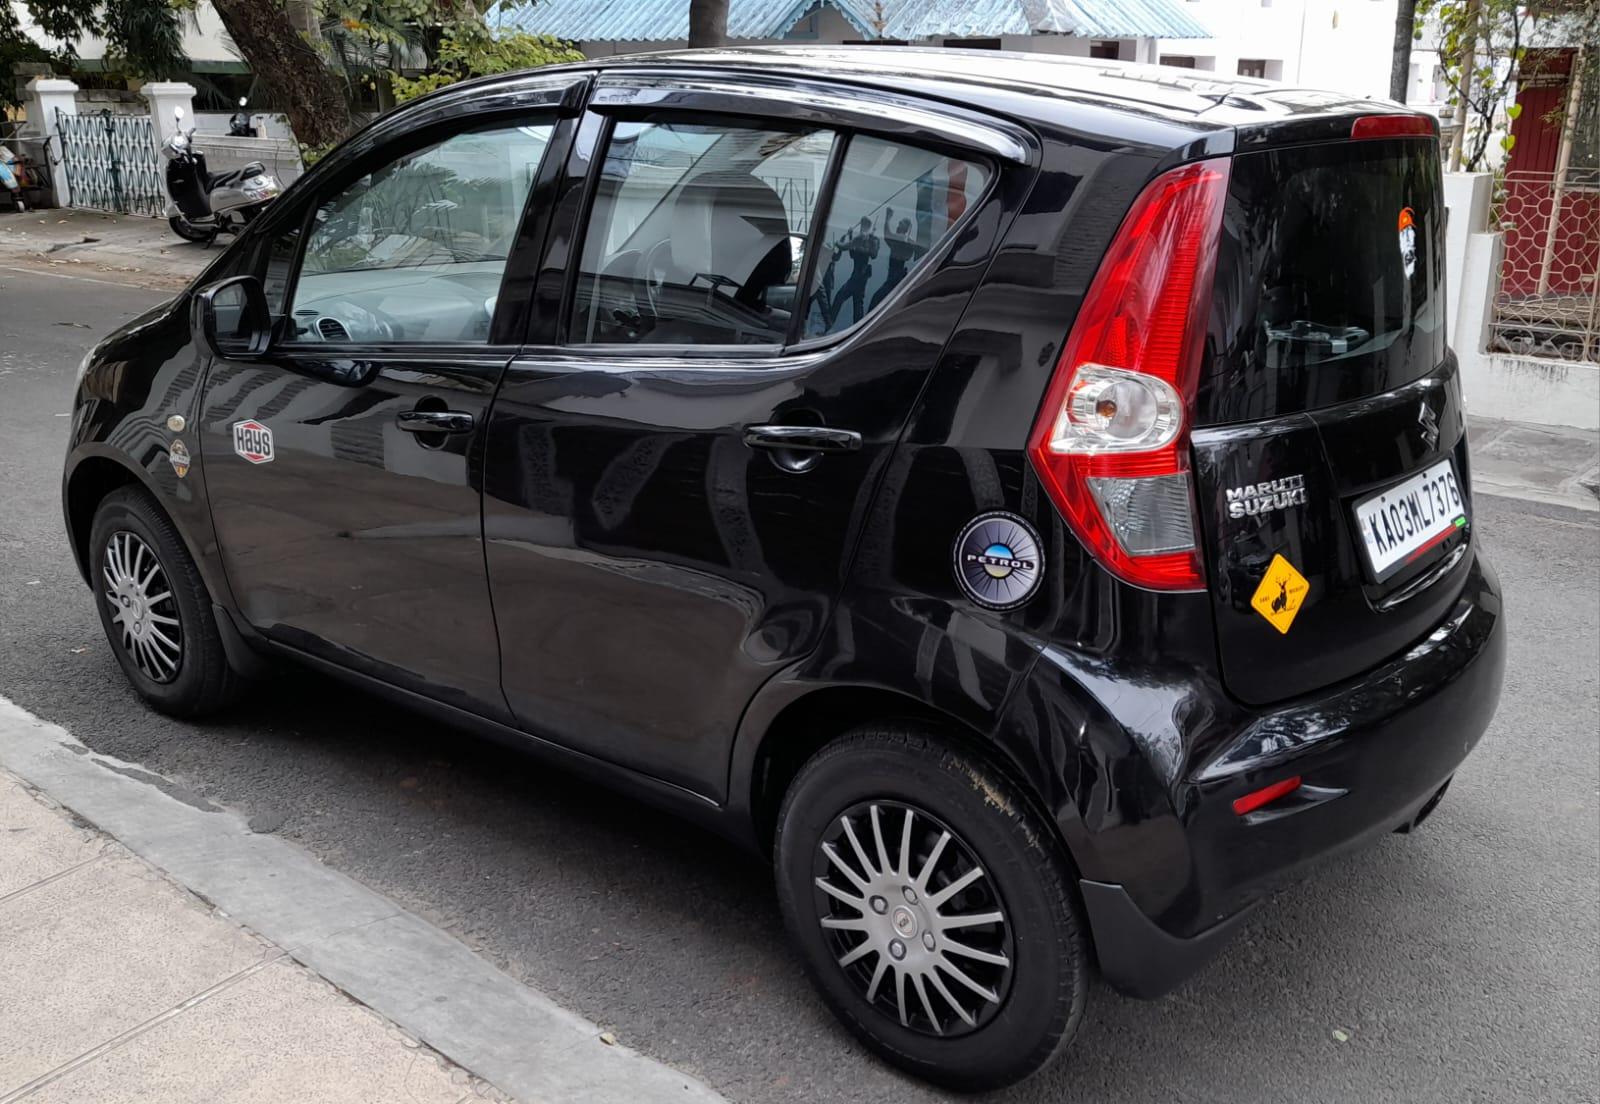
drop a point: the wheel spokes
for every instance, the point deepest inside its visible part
(137, 586)
(881, 909)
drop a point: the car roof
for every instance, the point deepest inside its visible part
(1184, 91)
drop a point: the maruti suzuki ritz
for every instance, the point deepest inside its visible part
(1028, 498)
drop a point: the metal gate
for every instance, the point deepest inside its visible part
(1548, 301)
(112, 162)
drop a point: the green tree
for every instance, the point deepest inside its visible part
(1481, 50)
(144, 38)
(468, 50)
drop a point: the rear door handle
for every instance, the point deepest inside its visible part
(801, 438)
(435, 421)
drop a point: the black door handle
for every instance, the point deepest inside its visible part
(802, 438)
(434, 421)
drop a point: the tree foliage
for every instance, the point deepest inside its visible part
(470, 51)
(1481, 48)
(318, 57)
(144, 38)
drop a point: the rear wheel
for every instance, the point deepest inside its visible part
(933, 911)
(155, 609)
(188, 231)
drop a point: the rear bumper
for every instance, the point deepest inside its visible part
(1165, 887)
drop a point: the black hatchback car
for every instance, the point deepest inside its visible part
(1028, 498)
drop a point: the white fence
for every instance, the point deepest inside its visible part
(113, 162)
(281, 156)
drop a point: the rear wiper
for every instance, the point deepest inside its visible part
(1337, 339)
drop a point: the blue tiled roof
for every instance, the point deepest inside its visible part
(668, 20)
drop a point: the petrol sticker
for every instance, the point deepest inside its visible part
(1408, 241)
(178, 457)
(253, 441)
(1282, 592)
(999, 560)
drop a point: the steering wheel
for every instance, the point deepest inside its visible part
(653, 274)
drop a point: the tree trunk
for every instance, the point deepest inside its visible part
(708, 23)
(281, 56)
(1405, 23)
(1468, 59)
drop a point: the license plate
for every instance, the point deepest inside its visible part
(1399, 525)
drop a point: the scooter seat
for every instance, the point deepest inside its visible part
(234, 177)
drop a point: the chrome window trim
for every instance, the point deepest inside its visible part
(874, 110)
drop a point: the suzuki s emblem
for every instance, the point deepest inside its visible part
(998, 561)
(253, 441)
(1430, 425)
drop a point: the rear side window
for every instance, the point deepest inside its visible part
(700, 232)
(697, 232)
(1330, 279)
(893, 204)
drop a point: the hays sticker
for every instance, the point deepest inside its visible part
(253, 441)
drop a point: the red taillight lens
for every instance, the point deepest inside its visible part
(1394, 126)
(1111, 441)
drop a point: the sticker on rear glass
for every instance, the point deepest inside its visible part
(1408, 241)
(178, 457)
(1282, 592)
(253, 441)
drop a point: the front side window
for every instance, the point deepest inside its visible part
(414, 251)
(893, 204)
(697, 233)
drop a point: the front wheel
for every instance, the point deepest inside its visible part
(187, 230)
(932, 909)
(155, 608)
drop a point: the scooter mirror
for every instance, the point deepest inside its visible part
(177, 113)
(243, 101)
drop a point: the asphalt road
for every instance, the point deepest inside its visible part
(1459, 964)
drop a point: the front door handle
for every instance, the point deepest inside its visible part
(435, 421)
(802, 438)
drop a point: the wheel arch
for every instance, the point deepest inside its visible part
(87, 485)
(812, 716)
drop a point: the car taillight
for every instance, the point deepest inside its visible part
(1394, 126)
(1111, 441)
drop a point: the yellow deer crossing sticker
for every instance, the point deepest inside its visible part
(1282, 592)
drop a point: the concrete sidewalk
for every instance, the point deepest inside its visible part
(118, 985)
(143, 249)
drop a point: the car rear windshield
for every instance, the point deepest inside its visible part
(1330, 278)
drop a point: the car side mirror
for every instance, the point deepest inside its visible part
(232, 319)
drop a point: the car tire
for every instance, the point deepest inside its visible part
(169, 647)
(1033, 1003)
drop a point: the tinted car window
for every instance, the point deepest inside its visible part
(414, 251)
(697, 233)
(1330, 278)
(893, 204)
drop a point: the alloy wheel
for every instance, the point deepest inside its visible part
(913, 919)
(143, 608)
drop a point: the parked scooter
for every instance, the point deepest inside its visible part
(205, 204)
